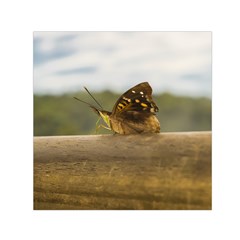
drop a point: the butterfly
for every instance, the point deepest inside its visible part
(133, 113)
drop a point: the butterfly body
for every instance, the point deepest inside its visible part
(133, 113)
(134, 123)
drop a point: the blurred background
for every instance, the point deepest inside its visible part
(176, 64)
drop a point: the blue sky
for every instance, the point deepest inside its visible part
(176, 62)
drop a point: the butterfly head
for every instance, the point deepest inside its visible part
(103, 114)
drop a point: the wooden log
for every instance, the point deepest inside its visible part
(157, 171)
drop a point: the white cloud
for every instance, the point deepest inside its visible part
(122, 59)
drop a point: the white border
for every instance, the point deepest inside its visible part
(19, 19)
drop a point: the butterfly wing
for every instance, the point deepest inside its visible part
(134, 112)
(137, 98)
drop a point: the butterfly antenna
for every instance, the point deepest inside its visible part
(93, 98)
(83, 101)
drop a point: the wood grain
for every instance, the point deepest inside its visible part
(156, 171)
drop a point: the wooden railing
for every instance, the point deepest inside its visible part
(157, 171)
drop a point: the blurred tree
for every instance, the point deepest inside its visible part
(63, 115)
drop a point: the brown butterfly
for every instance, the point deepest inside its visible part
(134, 112)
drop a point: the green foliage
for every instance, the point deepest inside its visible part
(63, 115)
(184, 113)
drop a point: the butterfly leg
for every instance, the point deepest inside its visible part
(100, 125)
(97, 125)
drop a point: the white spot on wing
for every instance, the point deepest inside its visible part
(141, 93)
(133, 91)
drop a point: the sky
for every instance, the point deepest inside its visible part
(174, 62)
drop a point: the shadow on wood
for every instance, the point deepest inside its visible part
(157, 171)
